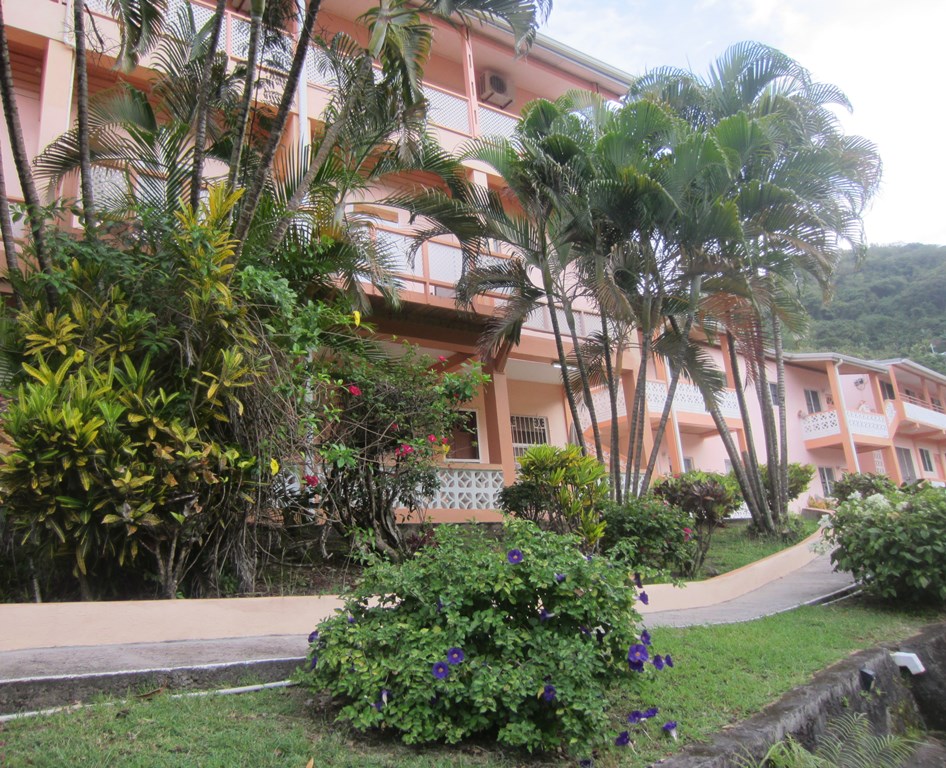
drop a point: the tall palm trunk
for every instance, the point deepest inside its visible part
(22, 161)
(583, 376)
(635, 438)
(562, 360)
(82, 112)
(202, 110)
(9, 245)
(782, 416)
(614, 459)
(255, 190)
(257, 9)
(752, 475)
(774, 495)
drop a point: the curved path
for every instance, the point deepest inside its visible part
(206, 640)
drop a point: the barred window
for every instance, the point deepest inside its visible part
(528, 431)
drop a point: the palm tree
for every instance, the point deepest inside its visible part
(82, 120)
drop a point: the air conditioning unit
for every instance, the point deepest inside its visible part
(496, 88)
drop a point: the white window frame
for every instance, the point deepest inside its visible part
(887, 391)
(813, 401)
(905, 461)
(519, 447)
(773, 394)
(826, 475)
(688, 464)
(926, 459)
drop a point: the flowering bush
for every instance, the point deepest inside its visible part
(649, 531)
(560, 489)
(708, 497)
(513, 636)
(863, 484)
(894, 544)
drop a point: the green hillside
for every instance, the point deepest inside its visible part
(891, 304)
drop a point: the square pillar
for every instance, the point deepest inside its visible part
(499, 425)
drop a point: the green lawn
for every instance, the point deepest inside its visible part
(732, 548)
(722, 675)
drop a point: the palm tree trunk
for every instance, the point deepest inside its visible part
(562, 360)
(278, 127)
(635, 440)
(774, 493)
(9, 244)
(583, 376)
(202, 110)
(752, 475)
(782, 416)
(82, 113)
(22, 161)
(236, 155)
(614, 463)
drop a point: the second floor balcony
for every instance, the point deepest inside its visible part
(827, 424)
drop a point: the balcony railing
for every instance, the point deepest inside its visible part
(688, 399)
(468, 488)
(924, 414)
(827, 424)
(446, 109)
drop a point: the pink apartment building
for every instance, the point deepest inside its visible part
(844, 414)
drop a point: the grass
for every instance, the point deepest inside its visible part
(722, 674)
(731, 547)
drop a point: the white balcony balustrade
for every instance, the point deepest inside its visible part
(821, 424)
(866, 423)
(688, 399)
(468, 488)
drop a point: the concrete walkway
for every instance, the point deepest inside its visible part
(184, 642)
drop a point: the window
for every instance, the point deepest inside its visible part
(905, 460)
(886, 389)
(926, 459)
(464, 440)
(688, 465)
(827, 479)
(528, 431)
(773, 393)
(813, 400)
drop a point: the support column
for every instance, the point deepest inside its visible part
(499, 425)
(892, 464)
(469, 81)
(56, 98)
(847, 440)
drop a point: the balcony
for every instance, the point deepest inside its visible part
(922, 412)
(688, 399)
(448, 112)
(816, 426)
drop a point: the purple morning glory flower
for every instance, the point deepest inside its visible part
(637, 652)
(588, 558)
(649, 713)
(544, 615)
(583, 629)
(351, 619)
(313, 636)
(635, 717)
(636, 666)
(440, 670)
(668, 660)
(645, 637)
(384, 695)
(670, 725)
(514, 556)
(314, 661)
(549, 693)
(439, 605)
(643, 598)
(658, 662)
(455, 656)
(378, 705)
(637, 581)
(623, 739)
(559, 577)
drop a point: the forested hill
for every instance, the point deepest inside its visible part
(891, 304)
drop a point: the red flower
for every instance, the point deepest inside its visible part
(432, 438)
(354, 390)
(311, 480)
(687, 534)
(393, 426)
(444, 441)
(403, 450)
(442, 359)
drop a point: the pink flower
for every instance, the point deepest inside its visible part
(403, 450)
(444, 440)
(393, 426)
(442, 359)
(354, 390)
(687, 534)
(432, 438)
(311, 480)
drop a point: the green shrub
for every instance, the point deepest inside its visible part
(863, 483)
(513, 636)
(560, 489)
(894, 544)
(708, 497)
(650, 532)
(799, 478)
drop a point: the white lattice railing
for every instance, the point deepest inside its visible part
(924, 415)
(872, 424)
(447, 110)
(688, 399)
(890, 410)
(821, 424)
(462, 488)
(879, 466)
(586, 323)
(493, 123)
(601, 401)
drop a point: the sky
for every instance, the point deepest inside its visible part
(886, 55)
